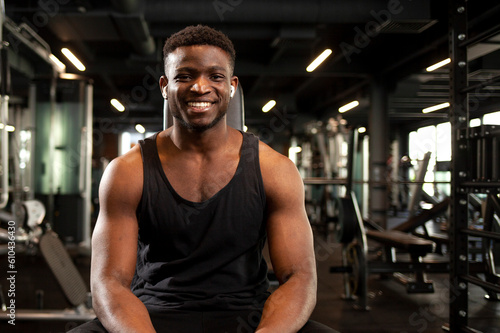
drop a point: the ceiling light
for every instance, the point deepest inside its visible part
(439, 64)
(436, 107)
(74, 60)
(139, 128)
(348, 106)
(116, 103)
(269, 105)
(57, 62)
(316, 62)
(362, 130)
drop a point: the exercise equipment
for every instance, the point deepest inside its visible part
(33, 224)
(33, 234)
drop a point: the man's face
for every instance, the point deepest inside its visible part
(198, 82)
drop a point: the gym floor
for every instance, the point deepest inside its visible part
(391, 308)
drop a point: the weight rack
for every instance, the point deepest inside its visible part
(475, 168)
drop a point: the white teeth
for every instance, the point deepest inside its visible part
(199, 104)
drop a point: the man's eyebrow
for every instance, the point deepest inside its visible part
(209, 69)
(185, 69)
(217, 69)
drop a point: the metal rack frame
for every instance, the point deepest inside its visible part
(463, 180)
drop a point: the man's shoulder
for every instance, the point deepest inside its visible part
(269, 156)
(126, 164)
(274, 164)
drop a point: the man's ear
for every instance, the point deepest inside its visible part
(163, 86)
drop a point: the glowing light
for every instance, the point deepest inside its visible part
(8, 128)
(316, 62)
(362, 130)
(116, 103)
(269, 105)
(57, 62)
(139, 128)
(436, 107)
(438, 65)
(74, 60)
(348, 106)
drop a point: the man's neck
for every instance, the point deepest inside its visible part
(205, 141)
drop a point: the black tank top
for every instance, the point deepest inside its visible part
(202, 255)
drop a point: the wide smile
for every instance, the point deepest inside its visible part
(199, 106)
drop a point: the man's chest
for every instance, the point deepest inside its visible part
(198, 181)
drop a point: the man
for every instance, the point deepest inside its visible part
(184, 216)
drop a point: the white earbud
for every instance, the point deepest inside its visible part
(232, 92)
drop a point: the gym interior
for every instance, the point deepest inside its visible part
(390, 110)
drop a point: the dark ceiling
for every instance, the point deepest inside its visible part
(390, 41)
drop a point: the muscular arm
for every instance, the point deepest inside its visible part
(290, 247)
(114, 248)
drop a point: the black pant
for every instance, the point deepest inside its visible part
(205, 322)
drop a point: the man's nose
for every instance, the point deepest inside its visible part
(201, 86)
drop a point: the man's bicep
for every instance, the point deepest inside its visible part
(114, 241)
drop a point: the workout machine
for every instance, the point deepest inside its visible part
(324, 163)
(338, 207)
(354, 232)
(53, 134)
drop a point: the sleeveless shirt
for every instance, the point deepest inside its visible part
(202, 255)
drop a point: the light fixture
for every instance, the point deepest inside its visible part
(316, 62)
(116, 103)
(57, 62)
(74, 60)
(439, 64)
(269, 105)
(245, 128)
(362, 130)
(8, 128)
(348, 106)
(139, 128)
(436, 107)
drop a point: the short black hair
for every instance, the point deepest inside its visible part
(199, 35)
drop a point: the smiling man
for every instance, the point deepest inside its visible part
(185, 215)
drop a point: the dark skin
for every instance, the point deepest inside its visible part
(199, 155)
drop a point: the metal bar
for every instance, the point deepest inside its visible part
(480, 184)
(350, 160)
(344, 181)
(482, 233)
(4, 118)
(495, 167)
(481, 283)
(458, 241)
(480, 85)
(65, 315)
(481, 36)
(36, 48)
(408, 267)
(324, 181)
